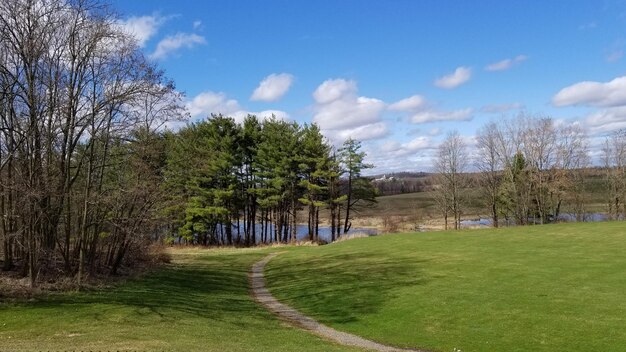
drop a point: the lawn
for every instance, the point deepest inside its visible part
(201, 302)
(540, 288)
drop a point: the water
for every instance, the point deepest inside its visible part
(564, 217)
(302, 232)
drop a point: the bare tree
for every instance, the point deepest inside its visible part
(489, 163)
(614, 155)
(450, 164)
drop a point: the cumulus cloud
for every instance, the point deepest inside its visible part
(589, 93)
(142, 27)
(454, 79)
(420, 110)
(506, 63)
(273, 87)
(172, 43)
(338, 107)
(412, 103)
(439, 116)
(362, 133)
(501, 108)
(207, 103)
(390, 156)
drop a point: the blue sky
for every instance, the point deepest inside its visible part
(397, 74)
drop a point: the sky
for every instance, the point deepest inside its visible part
(397, 75)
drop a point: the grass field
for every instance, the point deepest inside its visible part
(542, 288)
(201, 302)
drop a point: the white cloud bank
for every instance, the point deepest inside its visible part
(506, 63)
(606, 120)
(420, 111)
(610, 96)
(273, 87)
(207, 103)
(454, 79)
(341, 113)
(172, 43)
(599, 94)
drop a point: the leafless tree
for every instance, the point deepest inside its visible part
(450, 164)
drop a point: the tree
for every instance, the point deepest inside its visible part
(72, 83)
(489, 164)
(358, 189)
(450, 164)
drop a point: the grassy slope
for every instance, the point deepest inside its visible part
(542, 288)
(199, 303)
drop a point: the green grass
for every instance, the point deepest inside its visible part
(541, 288)
(201, 302)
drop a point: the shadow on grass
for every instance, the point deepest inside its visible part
(342, 288)
(215, 288)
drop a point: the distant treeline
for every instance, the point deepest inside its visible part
(401, 182)
(529, 168)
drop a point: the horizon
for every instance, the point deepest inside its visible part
(396, 75)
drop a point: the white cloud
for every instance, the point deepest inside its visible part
(338, 107)
(606, 120)
(395, 149)
(197, 24)
(143, 27)
(172, 43)
(207, 103)
(412, 103)
(421, 111)
(506, 63)
(273, 87)
(589, 93)
(501, 108)
(392, 156)
(455, 79)
(439, 116)
(334, 89)
(362, 133)
(240, 115)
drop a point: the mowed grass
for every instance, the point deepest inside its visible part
(201, 302)
(541, 288)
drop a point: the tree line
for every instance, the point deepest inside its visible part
(80, 163)
(255, 182)
(528, 169)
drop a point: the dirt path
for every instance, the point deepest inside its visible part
(263, 296)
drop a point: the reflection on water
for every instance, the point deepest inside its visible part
(302, 233)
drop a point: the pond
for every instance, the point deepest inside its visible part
(564, 217)
(302, 233)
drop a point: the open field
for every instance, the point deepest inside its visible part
(539, 288)
(201, 302)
